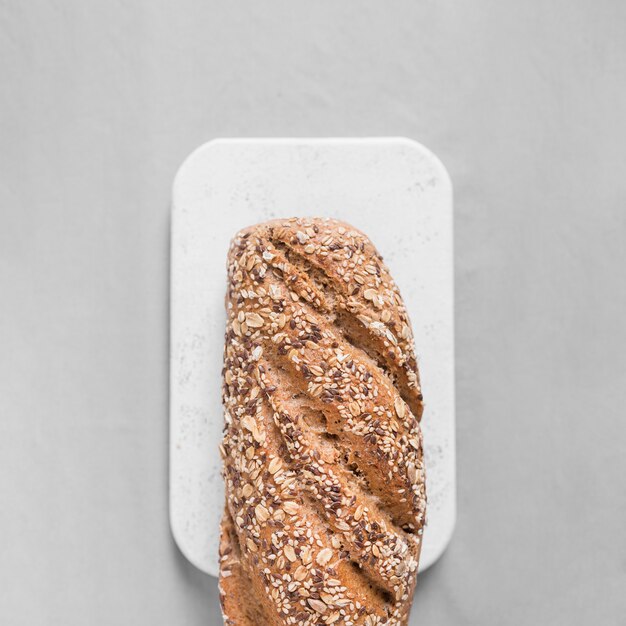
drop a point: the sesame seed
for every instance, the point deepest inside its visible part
(261, 513)
(275, 465)
(254, 320)
(290, 553)
(317, 605)
(324, 556)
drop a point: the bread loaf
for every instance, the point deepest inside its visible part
(322, 449)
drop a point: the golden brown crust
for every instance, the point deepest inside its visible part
(322, 447)
(237, 597)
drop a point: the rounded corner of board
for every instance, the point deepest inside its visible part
(442, 545)
(429, 155)
(195, 155)
(188, 552)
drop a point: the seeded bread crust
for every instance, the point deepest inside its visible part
(322, 449)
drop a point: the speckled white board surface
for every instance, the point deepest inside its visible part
(393, 189)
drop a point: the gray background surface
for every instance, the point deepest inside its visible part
(523, 101)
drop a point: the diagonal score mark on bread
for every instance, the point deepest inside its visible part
(363, 319)
(334, 493)
(322, 448)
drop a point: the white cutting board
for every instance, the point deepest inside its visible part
(394, 190)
